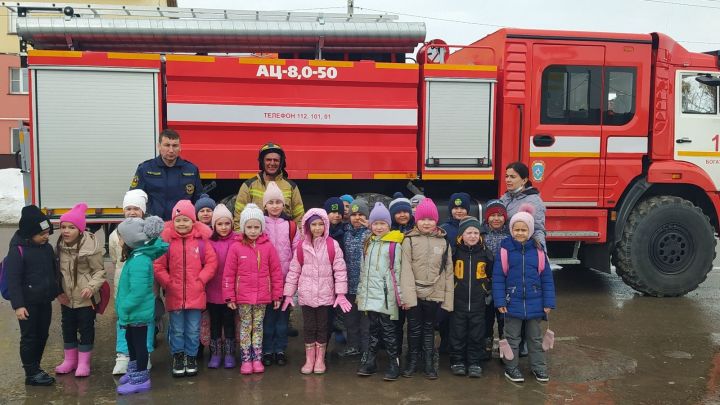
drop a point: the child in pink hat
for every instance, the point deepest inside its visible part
(222, 318)
(426, 285)
(183, 272)
(80, 256)
(283, 234)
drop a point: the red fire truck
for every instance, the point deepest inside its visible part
(621, 131)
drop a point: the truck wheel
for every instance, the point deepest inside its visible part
(667, 247)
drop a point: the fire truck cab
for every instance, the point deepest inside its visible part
(620, 132)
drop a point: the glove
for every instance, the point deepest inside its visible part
(288, 303)
(344, 304)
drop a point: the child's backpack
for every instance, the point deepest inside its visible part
(99, 307)
(293, 230)
(506, 266)
(4, 289)
(396, 289)
(330, 248)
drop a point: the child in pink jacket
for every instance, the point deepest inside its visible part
(283, 234)
(222, 318)
(318, 274)
(252, 279)
(183, 272)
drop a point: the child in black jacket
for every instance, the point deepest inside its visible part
(473, 262)
(33, 283)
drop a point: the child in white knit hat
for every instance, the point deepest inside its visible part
(252, 279)
(134, 206)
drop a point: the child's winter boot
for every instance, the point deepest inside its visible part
(131, 368)
(214, 361)
(369, 364)
(121, 364)
(70, 362)
(310, 349)
(319, 367)
(83, 367)
(257, 366)
(246, 367)
(139, 382)
(393, 371)
(229, 348)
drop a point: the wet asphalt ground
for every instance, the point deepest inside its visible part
(613, 346)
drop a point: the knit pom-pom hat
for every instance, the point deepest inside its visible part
(525, 215)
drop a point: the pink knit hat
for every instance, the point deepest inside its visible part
(186, 208)
(426, 210)
(525, 215)
(220, 211)
(272, 192)
(76, 216)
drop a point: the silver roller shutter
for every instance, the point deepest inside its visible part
(92, 128)
(459, 126)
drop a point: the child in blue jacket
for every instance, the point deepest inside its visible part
(523, 290)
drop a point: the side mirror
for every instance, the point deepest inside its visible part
(709, 80)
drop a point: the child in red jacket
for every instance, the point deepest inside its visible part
(183, 273)
(252, 278)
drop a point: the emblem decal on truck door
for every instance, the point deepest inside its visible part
(538, 170)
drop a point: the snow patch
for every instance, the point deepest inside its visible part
(12, 198)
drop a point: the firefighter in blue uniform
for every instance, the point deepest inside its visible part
(167, 178)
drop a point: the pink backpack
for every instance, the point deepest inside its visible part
(506, 266)
(330, 248)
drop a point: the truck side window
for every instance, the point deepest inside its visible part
(571, 95)
(619, 106)
(698, 98)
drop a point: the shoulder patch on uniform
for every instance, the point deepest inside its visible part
(134, 182)
(189, 188)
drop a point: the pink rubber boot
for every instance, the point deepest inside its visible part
(309, 358)
(70, 362)
(320, 359)
(83, 367)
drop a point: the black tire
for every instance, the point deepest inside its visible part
(667, 247)
(372, 198)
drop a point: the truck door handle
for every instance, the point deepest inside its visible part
(683, 140)
(543, 140)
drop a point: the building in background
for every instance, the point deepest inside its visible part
(14, 79)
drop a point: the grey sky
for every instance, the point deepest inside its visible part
(693, 22)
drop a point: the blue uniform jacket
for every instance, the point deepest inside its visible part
(524, 291)
(165, 186)
(451, 227)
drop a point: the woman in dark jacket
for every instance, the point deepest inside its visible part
(521, 191)
(33, 283)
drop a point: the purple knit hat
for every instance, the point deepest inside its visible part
(379, 213)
